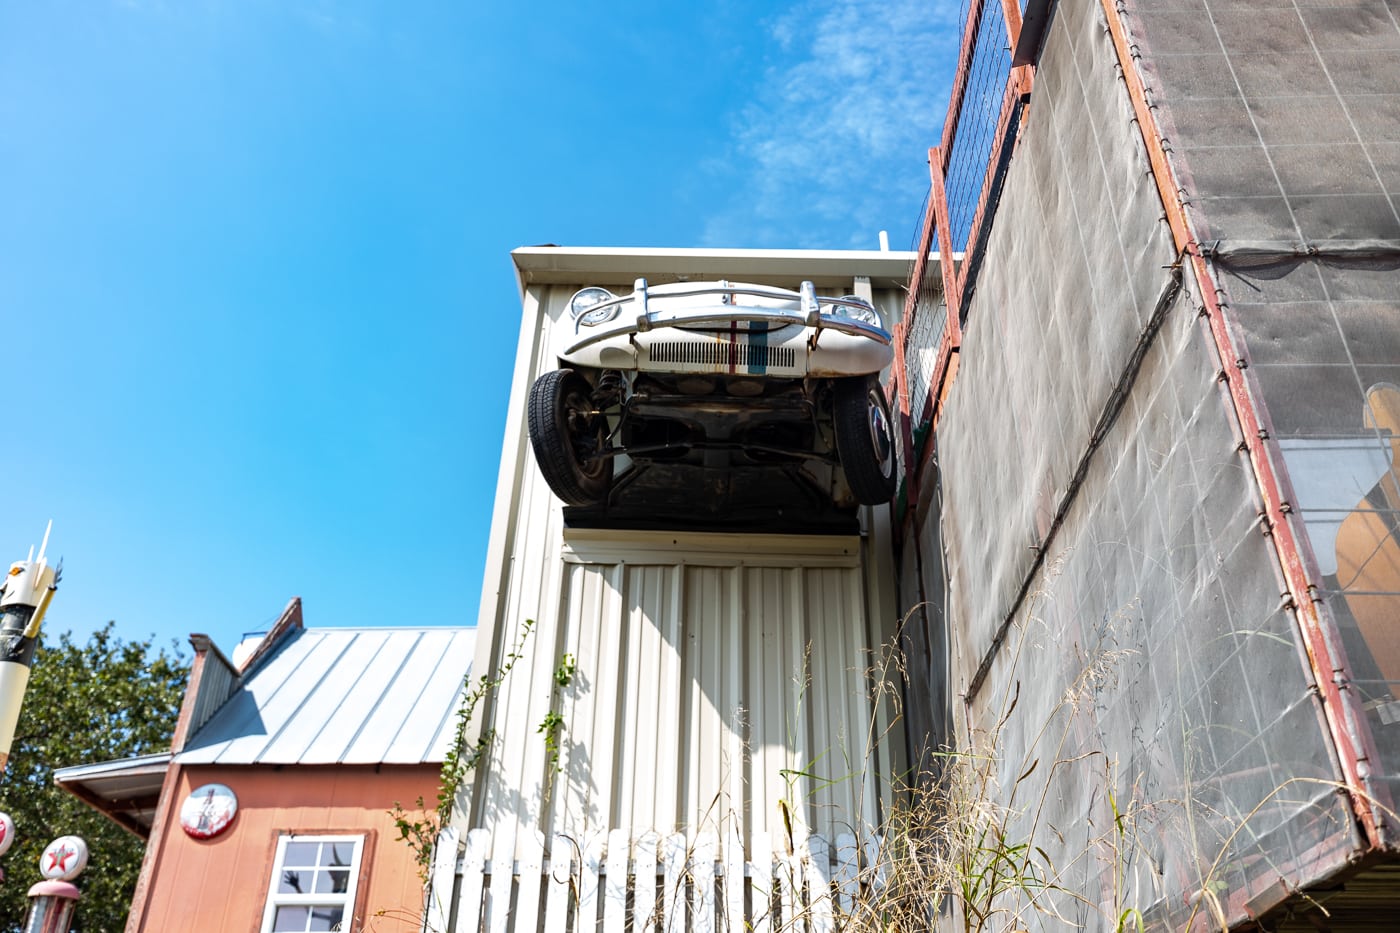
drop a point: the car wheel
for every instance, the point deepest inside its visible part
(568, 438)
(865, 438)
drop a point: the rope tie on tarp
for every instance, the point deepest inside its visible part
(1274, 259)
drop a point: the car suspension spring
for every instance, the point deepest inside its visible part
(608, 389)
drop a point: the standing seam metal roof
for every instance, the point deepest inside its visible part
(343, 696)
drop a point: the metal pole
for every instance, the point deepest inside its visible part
(25, 595)
(51, 905)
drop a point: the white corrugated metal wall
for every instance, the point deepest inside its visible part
(696, 703)
(716, 674)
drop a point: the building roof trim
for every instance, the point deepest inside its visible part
(359, 695)
(126, 791)
(560, 265)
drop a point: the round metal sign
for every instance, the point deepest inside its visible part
(7, 833)
(208, 810)
(64, 859)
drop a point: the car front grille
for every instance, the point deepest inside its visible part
(739, 355)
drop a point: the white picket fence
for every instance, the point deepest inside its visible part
(616, 884)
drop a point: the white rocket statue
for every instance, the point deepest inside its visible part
(25, 594)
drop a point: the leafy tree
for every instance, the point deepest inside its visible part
(102, 701)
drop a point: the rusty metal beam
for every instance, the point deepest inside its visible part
(950, 342)
(1011, 12)
(901, 340)
(938, 198)
(1355, 745)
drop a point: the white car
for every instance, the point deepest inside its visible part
(717, 375)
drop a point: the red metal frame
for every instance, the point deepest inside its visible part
(954, 277)
(1021, 75)
(1354, 742)
(1011, 12)
(901, 340)
(980, 215)
(936, 219)
(951, 340)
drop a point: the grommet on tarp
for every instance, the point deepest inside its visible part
(52, 901)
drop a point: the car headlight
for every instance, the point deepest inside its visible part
(584, 306)
(860, 312)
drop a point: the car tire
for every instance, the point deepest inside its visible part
(865, 438)
(567, 437)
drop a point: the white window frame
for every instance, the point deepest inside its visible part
(276, 899)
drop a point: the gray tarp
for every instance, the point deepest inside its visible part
(1106, 569)
(1284, 124)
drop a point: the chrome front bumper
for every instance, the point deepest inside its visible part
(728, 311)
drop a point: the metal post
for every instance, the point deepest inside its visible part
(51, 906)
(25, 595)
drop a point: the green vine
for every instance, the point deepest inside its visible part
(553, 725)
(457, 765)
(460, 761)
(418, 832)
(564, 673)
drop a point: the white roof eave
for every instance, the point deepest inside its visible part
(567, 265)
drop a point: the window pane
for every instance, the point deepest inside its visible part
(338, 853)
(294, 881)
(326, 918)
(290, 920)
(301, 854)
(319, 866)
(334, 881)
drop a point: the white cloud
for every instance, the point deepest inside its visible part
(832, 146)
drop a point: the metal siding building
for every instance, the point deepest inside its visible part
(716, 673)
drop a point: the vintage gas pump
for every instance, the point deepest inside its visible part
(52, 901)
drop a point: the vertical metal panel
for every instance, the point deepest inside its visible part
(709, 694)
(317, 738)
(432, 676)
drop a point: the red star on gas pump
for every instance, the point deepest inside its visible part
(59, 857)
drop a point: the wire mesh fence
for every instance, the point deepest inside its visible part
(921, 354)
(977, 116)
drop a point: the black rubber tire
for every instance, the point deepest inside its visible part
(565, 436)
(864, 438)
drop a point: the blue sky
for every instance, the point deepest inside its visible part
(257, 304)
